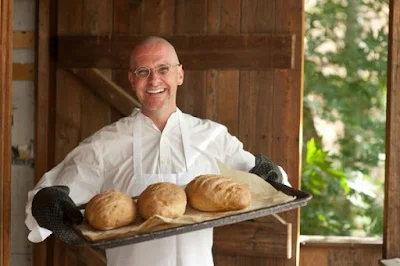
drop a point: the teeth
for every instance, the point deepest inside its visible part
(156, 91)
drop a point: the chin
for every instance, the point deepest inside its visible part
(165, 108)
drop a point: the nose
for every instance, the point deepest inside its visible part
(153, 78)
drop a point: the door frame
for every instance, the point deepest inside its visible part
(6, 37)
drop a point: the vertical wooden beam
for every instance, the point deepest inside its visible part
(6, 37)
(45, 105)
(391, 237)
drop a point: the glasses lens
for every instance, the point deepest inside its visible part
(162, 70)
(142, 72)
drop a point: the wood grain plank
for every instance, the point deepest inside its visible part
(91, 104)
(158, 17)
(230, 17)
(265, 113)
(213, 16)
(221, 259)
(292, 96)
(191, 17)
(267, 239)
(326, 255)
(68, 102)
(23, 71)
(6, 40)
(254, 261)
(128, 17)
(256, 89)
(313, 256)
(223, 17)
(289, 95)
(191, 96)
(24, 39)
(120, 77)
(120, 22)
(211, 94)
(97, 17)
(69, 17)
(44, 106)
(67, 134)
(195, 52)
(92, 257)
(258, 16)
(68, 95)
(107, 90)
(248, 109)
(391, 239)
(228, 100)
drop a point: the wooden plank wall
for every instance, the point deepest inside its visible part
(79, 112)
(392, 173)
(44, 107)
(340, 255)
(311, 254)
(6, 41)
(23, 40)
(261, 107)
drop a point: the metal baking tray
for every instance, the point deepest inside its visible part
(301, 200)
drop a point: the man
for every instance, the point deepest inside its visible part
(156, 143)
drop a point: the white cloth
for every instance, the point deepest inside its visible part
(133, 153)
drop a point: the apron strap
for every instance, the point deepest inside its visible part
(137, 146)
(185, 140)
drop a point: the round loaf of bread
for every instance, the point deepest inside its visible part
(110, 210)
(164, 199)
(217, 193)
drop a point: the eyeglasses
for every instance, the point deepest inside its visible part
(161, 70)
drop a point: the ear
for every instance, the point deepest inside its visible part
(181, 75)
(131, 78)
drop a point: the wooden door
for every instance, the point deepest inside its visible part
(243, 68)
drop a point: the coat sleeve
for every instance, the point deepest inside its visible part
(236, 157)
(81, 171)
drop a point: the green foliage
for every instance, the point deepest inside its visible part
(336, 207)
(345, 80)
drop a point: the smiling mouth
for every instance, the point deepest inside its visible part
(155, 91)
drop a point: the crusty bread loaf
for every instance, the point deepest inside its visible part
(164, 199)
(217, 193)
(110, 210)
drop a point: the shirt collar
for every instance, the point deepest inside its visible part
(172, 121)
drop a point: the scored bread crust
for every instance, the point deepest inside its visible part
(164, 198)
(110, 209)
(217, 193)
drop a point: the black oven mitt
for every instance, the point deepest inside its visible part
(54, 210)
(266, 169)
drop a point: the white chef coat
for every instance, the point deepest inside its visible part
(132, 153)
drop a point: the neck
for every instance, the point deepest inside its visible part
(159, 118)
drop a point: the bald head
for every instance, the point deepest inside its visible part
(150, 45)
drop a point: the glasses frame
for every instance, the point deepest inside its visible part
(151, 70)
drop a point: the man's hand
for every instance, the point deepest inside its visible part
(267, 169)
(53, 209)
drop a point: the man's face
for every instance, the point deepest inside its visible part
(157, 93)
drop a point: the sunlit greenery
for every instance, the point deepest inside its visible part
(344, 116)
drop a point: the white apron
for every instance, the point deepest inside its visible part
(189, 249)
